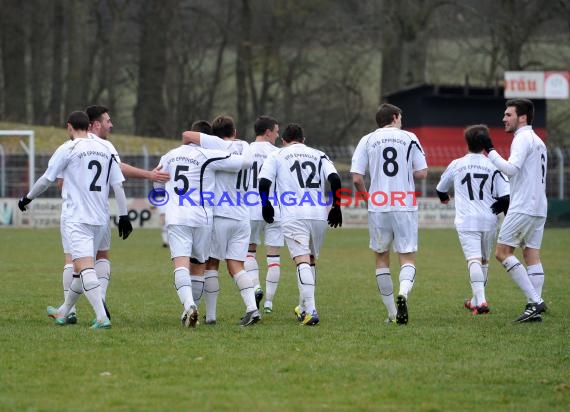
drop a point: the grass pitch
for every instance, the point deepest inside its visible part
(445, 359)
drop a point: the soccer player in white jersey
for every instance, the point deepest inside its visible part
(189, 218)
(300, 173)
(88, 168)
(481, 192)
(394, 158)
(230, 235)
(266, 132)
(100, 125)
(524, 224)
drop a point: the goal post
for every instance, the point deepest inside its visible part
(30, 150)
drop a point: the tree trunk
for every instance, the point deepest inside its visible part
(242, 65)
(39, 44)
(56, 95)
(150, 111)
(77, 82)
(14, 62)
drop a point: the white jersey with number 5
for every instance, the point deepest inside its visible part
(88, 169)
(260, 151)
(391, 155)
(299, 173)
(193, 173)
(477, 183)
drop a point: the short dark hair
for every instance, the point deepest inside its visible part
(78, 120)
(522, 107)
(474, 137)
(223, 126)
(385, 114)
(264, 123)
(95, 112)
(202, 126)
(293, 132)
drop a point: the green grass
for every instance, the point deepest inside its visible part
(444, 360)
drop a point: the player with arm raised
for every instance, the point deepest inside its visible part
(88, 169)
(393, 158)
(266, 132)
(481, 192)
(524, 224)
(301, 171)
(231, 231)
(100, 126)
(189, 217)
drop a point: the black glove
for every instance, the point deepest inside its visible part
(443, 196)
(125, 227)
(501, 205)
(487, 143)
(23, 202)
(335, 217)
(268, 212)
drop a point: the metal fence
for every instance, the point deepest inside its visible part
(14, 172)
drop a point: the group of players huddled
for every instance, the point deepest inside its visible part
(202, 231)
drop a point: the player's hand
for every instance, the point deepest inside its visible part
(443, 197)
(501, 205)
(487, 143)
(335, 217)
(157, 175)
(268, 212)
(125, 227)
(23, 202)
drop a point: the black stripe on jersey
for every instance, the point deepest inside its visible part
(203, 170)
(111, 164)
(495, 173)
(319, 167)
(413, 143)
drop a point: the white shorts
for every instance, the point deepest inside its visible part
(522, 230)
(189, 241)
(304, 237)
(230, 239)
(83, 238)
(273, 236)
(105, 243)
(399, 228)
(477, 244)
(65, 242)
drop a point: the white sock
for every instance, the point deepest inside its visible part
(407, 277)
(92, 289)
(103, 270)
(272, 278)
(386, 289)
(536, 276)
(164, 235)
(306, 284)
(67, 278)
(245, 285)
(211, 292)
(197, 287)
(477, 279)
(485, 269)
(75, 290)
(183, 286)
(252, 268)
(520, 277)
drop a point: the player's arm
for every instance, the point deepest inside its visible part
(190, 136)
(358, 182)
(444, 183)
(420, 174)
(155, 175)
(509, 167)
(55, 166)
(125, 226)
(335, 215)
(266, 207)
